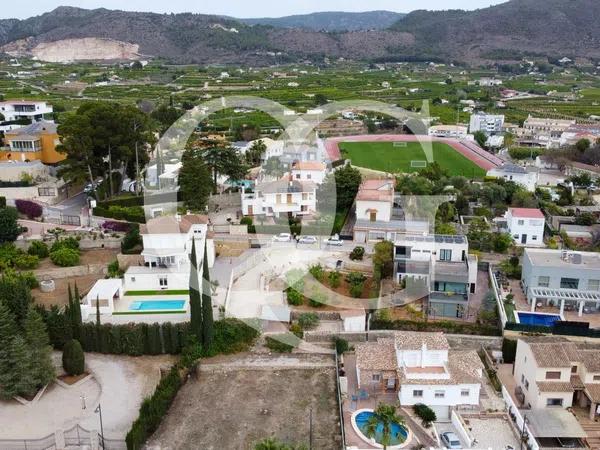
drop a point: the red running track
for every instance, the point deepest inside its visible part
(468, 149)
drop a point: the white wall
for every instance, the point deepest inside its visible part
(316, 176)
(452, 394)
(176, 280)
(527, 180)
(356, 323)
(384, 210)
(532, 228)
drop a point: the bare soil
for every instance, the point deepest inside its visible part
(72, 379)
(236, 408)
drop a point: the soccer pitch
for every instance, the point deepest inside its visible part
(386, 157)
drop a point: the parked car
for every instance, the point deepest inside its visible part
(450, 440)
(307, 240)
(282, 237)
(333, 240)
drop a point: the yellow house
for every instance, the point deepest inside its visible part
(34, 142)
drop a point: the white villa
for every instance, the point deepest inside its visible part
(167, 180)
(526, 226)
(314, 171)
(163, 273)
(14, 110)
(517, 174)
(422, 369)
(281, 198)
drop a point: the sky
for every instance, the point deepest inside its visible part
(238, 8)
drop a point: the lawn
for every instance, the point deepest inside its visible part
(385, 157)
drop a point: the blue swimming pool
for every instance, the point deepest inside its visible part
(399, 432)
(157, 305)
(529, 318)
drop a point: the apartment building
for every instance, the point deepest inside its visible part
(488, 123)
(281, 198)
(553, 128)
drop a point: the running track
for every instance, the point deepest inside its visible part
(468, 149)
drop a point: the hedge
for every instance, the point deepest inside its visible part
(129, 213)
(29, 208)
(445, 326)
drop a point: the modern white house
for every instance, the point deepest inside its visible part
(167, 179)
(438, 267)
(526, 226)
(421, 368)
(562, 278)
(280, 198)
(23, 110)
(517, 174)
(314, 171)
(488, 123)
(448, 131)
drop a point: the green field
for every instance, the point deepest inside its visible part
(383, 156)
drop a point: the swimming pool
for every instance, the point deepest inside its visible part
(157, 305)
(533, 318)
(400, 434)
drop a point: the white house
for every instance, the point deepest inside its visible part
(448, 131)
(105, 292)
(375, 200)
(167, 246)
(167, 179)
(488, 123)
(552, 372)
(517, 174)
(438, 267)
(422, 369)
(526, 226)
(280, 198)
(14, 110)
(314, 171)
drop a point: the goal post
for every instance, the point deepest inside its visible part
(400, 144)
(418, 164)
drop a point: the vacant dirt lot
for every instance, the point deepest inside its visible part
(234, 405)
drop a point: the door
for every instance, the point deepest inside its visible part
(250, 210)
(289, 199)
(523, 239)
(373, 216)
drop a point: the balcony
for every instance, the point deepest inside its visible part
(451, 297)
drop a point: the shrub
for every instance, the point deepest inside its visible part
(335, 279)
(69, 242)
(308, 321)
(357, 254)
(39, 249)
(356, 290)
(294, 297)
(246, 221)
(2, 202)
(317, 272)
(341, 345)
(65, 257)
(73, 359)
(114, 271)
(26, 262)
(356, 278)
(281, 343)
(29, 208)
(132, 242)
(425, 413)
(296, 329)
(121, 227)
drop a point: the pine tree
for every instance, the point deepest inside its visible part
(24, 381)
(195, 300)
(16, 295)
(7, 333)
(207, 311)
(40, 351)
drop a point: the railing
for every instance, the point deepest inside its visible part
(498, 297)
(339, 400)
(75, 436)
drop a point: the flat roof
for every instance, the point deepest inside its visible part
(437, 238)
(105, 289)
(553, 423)
(555, 258)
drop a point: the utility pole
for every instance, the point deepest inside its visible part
(110, 172)
(136, 125)
(99, 411)
(310, 423)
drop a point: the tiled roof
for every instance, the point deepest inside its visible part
(593, 389)
(36, 128)
(528, 213)
(376, 190)
(309, 165)
(465, 367)
(412, 340)
(552, 354)
(170, 225)
(379, 355)
(555, 386)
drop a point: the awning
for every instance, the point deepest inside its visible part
(553, 423)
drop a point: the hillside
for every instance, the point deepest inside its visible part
(332, 21)
(506, 32)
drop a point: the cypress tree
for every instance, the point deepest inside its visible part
(166, 336)
(195, 300)
(98, 324)
(59, 328)
(76, 321)
(207, 311)
(40, 351)
(154, 339)
(73, 358)
(146, 337)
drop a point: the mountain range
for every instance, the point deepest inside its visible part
(505, 32)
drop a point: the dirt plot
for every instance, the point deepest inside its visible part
(235, 408)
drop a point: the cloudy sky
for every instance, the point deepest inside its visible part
(239, 8)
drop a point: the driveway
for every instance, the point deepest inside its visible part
(443, 427)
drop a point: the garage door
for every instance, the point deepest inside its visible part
(360, 237)
(442, 412)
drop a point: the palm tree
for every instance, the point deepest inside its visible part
(385, 415)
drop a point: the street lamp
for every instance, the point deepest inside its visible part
(98, 410)
(523, 431)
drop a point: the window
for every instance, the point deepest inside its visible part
(594, 285)
(515, 236)
(522, 378)
(534, 238)
(569, 283)
(596, 377)
(554, 402)
(133, 279)
(46, 192)
(520, 222)
(552, 375)
(526, 384)
(308, 176)
(543, 281)
(440, 394)
(163, 282)
(376, 377)
(418, 393)
(465, 392)
(297, 176)
(445, 255)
